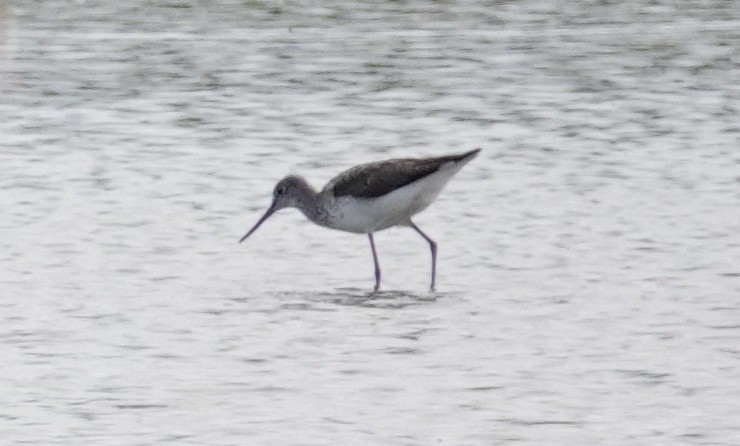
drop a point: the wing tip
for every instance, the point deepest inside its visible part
(467, 156)
(474, 152)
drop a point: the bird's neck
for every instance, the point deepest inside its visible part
(307, 202)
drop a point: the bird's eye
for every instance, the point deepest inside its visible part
(281, 190)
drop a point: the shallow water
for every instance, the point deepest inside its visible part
(589, 268)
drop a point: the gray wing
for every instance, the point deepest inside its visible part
(380, 178)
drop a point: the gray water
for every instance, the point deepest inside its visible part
(589, 263)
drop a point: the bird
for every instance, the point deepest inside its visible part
(371, 197)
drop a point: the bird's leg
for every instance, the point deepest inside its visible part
(375, 260)
(433, 247)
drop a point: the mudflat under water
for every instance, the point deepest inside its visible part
(589, 269)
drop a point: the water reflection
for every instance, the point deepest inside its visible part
(382, 299)
(354, 297)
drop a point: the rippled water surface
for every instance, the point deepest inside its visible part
(589, 269)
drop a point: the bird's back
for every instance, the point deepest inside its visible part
(380, 178)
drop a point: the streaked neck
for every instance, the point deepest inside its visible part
(307, 201)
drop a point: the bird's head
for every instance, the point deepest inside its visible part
(287, 193)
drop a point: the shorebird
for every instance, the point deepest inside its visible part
(371, 197)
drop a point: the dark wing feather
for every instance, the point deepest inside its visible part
(383, 177)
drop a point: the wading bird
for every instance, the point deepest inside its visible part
(371, 197)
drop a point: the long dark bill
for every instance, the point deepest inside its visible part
(269, 212)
